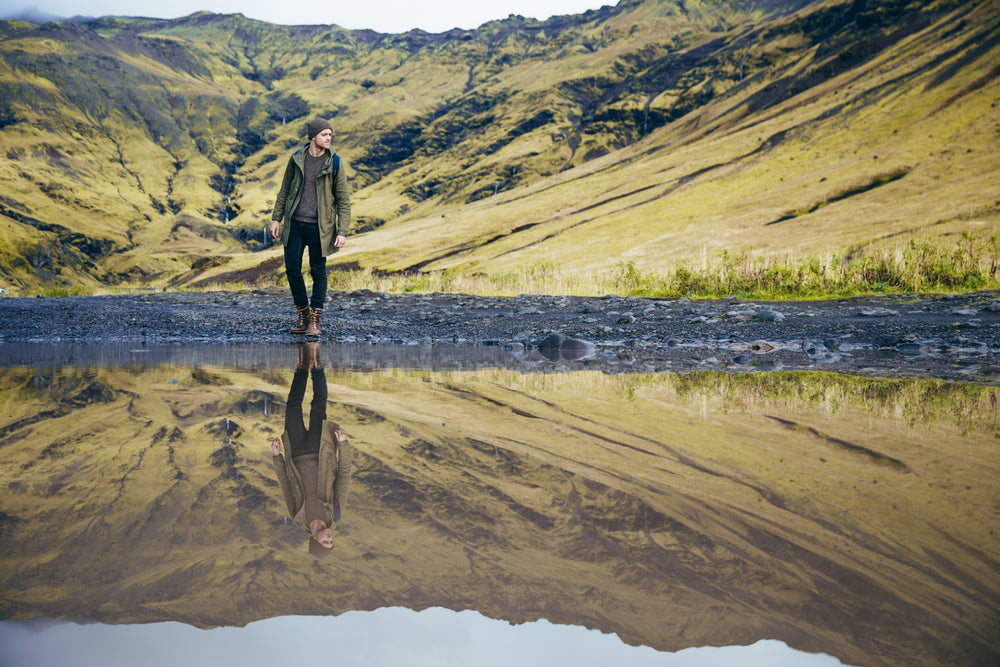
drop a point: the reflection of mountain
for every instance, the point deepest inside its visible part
(853, 517)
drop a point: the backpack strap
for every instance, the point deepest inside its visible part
(336, 166)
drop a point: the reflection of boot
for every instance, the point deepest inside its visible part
(313, 328)
(303, 322)
(312, 355)
(303, 362)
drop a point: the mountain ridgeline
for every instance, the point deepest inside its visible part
(149, 152)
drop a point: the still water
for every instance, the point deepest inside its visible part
(491, 511)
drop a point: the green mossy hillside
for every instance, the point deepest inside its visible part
(656, 133)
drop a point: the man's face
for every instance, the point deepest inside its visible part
(323, 139)
(325, 537)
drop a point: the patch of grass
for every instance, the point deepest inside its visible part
(964, 263)
(71, 290)
(921, 266)
(969, 263)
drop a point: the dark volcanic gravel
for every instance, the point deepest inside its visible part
(951, 337)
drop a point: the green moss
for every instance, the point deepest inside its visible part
(61, 292)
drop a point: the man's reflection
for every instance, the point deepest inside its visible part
(315, 470)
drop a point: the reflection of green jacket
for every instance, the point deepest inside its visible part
(333, 200)
(334, 477)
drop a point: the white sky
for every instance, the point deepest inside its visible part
(389, 16)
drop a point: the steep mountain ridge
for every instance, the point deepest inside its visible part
(136, 147)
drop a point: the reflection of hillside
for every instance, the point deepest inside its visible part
(673, 510)
(968, 407)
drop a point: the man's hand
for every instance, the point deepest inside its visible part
(340, 435)
(275, 229)
(340, 241)
(275, 446)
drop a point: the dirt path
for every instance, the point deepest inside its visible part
(951, 337)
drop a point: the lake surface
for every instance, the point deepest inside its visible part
(497, 512)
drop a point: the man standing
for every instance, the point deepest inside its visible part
(312, 210)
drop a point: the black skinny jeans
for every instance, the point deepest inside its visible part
(304, 235)
(306, 440)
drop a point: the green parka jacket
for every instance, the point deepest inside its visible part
(334, 477)
(333, 199)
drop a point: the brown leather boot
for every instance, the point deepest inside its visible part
(303, 322)
(312, 355)
(313, 328)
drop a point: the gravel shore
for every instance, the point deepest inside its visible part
(950, 337)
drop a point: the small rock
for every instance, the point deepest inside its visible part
(556, 346)
(891, 340)
(912, 349)
(877, 312)
(762, 347)
(768, 315)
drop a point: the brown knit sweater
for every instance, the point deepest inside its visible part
(308, 466)
(307, 208)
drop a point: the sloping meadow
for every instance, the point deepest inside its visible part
(641, 133)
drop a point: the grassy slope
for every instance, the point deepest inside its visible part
(518, 143)
(715, 179)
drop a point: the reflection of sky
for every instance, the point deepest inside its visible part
(392, 636)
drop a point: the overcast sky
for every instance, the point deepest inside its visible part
(390, 16)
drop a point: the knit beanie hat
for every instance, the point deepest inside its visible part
(317, 125)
